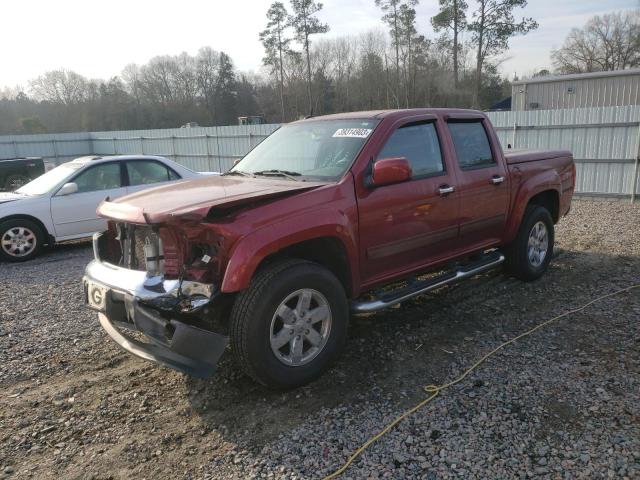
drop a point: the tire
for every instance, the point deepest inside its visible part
(257, 329)
(528, 259)
(30, 239)
(15, 181)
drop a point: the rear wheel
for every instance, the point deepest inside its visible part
(20, 240)
(528, 257)
(290, 324)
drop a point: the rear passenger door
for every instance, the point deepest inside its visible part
(147, 173)
(483, 182)
(408, 225)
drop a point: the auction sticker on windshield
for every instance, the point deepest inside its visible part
(352, 132)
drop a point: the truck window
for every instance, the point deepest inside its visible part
(472, 145)
(419, 144)
(316, 150)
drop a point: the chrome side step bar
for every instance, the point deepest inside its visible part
(489, 262)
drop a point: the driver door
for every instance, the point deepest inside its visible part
(408, 225)
(74, 215)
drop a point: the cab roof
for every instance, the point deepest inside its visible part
(395, 113)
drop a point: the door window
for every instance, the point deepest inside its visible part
(472, 145)
(148, 172)
(100, 177)
(418, 143)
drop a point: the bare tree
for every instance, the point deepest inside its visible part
(61, 86)
(276, 44)
(305, 24)
(492, 26)
(452, 16)
(607, 42)
(207, 66)
(157, 80)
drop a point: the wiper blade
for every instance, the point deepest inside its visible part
(280, 173)
(238, 172)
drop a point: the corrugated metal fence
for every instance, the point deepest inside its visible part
(199, 148)
(604, 141)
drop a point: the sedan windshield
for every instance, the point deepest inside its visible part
(50, 180)
(312, 150)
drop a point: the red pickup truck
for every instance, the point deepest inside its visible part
(328, 216)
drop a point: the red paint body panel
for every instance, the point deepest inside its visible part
(386, 232)
(194, 198)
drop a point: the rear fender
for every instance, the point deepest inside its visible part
(252, 249)
(538, 183)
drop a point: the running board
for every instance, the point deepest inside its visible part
(488, 262)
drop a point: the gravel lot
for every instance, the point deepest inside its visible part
(563, 403)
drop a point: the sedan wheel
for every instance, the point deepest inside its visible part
(20, 240)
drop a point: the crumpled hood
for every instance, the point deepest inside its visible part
(193, 199)
(10, 197)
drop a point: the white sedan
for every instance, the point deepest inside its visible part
(61, 204)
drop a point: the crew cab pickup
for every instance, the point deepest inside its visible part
(16, 172)
(327, 217)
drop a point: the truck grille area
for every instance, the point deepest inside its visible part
(135, 247)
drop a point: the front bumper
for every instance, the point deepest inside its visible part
(130, 300)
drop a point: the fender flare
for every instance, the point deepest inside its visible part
(541, 182)
(250, 250)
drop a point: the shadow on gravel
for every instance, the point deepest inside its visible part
(390, 355)
(58, 253)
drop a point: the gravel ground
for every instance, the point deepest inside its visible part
(563, 403)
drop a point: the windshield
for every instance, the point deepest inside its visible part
(50, 180)
(318, 150)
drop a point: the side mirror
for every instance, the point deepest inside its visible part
(68, 189)
(388, 171)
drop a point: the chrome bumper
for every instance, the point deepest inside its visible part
(139, 284)
(132, 300)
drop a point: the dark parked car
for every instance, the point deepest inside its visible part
(16, 172)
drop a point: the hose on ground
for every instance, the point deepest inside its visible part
(434, 390)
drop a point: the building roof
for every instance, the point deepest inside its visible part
(578, 76)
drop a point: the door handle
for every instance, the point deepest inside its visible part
(446, 189)
(497, 179)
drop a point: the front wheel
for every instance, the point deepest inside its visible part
(20, 240)
(528, 257)
(290, 324)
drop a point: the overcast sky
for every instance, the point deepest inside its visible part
(98, 38)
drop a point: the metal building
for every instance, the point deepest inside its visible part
(598, 89)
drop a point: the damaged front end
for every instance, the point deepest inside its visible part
(147, 279)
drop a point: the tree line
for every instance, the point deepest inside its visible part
(306, 73)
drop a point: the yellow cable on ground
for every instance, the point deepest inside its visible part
(434, 390)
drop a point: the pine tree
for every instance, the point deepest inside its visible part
(276, 44)
(452, 16)
(306, 24)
